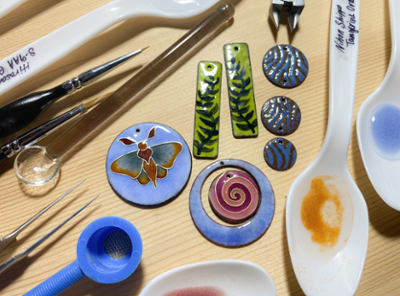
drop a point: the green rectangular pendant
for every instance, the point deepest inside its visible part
(240, 88)
(208, 97)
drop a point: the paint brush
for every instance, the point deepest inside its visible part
(18, 114)
(45, 129)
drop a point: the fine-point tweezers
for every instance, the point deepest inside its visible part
(8, 239)
(13, 260)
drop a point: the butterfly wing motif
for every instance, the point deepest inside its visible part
(162, 158)
(128, 164)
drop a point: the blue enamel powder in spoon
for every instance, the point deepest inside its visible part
(385, 130)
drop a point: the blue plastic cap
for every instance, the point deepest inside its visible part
(109, 250)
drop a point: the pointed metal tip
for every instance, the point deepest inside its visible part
(274, 14)
(145, 48)
(93, 200)
(293, 19)
(94, 74)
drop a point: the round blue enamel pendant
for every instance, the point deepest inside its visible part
(280, 154)
(285, 66)
(281, 115)
(250, 230)
(148, 164)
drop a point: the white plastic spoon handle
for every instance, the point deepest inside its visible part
(38, 55)
(394, 8)
(343, 56)
(392, 76)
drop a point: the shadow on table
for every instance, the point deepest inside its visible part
(382, 217)
(130, 286)
(293, 285)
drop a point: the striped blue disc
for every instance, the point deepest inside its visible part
(280, 154)
(285, 66)
(281, 115)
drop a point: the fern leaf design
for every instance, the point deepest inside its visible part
(240, 107)
(207, 111)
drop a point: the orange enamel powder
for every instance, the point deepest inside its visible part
(324, 225)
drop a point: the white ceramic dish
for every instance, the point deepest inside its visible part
(333, 269)
(234, 277)
(382, 171)
(50, 48)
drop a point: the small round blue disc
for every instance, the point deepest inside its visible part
(148, 164)
(281, 115)
(280, 154)
(285, 66)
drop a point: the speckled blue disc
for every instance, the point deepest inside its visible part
(385, 130)
(280, 154)
(285, 66)
(148, 164)
(233, 236)
(281, 115)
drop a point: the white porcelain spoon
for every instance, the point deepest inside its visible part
(382, 163)
(36, 56)
(323, 265)
(232, 277)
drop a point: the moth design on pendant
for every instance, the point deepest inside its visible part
(147, 163)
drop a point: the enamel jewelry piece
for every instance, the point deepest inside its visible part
(240, 235)
(280, 154)
(148, 164)
(281, 115)
(240, 90)
(208, 97)
(285, 66)
(234, 196)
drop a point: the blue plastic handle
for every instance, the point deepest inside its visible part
(60, 281)
(94, 261)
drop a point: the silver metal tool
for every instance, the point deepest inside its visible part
(13, 260)
(94, 74)
(293, 7)
(8, 239)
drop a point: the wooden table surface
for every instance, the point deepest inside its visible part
(169, 236)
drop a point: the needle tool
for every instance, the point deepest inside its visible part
(13, 260)
(45, 129)
(18, 114)
(8, 239)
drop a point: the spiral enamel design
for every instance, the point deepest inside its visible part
(280, 154)
(281, 115)
(285, 66)
(234, 196)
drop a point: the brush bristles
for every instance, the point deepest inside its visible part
(97, 100)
